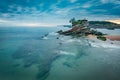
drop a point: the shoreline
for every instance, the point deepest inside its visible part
(110, 37)
(113, 37)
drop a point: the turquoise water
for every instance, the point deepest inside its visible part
(26, 54)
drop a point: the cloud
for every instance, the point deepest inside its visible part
(19, 9)
(41, 4)
(111, 1)
(72, 1)
(104, 1)
(116, 7)
(3, 21)
(5, 14)
(22, 23)
(26, 9)
(58, 11)
(86, 6)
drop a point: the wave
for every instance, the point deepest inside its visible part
(65, 53)
(72, 40)
(45, 38)
(80, 41)
(94, 43)
(104, 45)
(53, 33)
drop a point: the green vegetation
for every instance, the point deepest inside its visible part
(72, 21)
(76, 22)
(101, 38)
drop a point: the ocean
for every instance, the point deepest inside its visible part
(39, 53)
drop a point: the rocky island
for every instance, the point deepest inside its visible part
(81, 28)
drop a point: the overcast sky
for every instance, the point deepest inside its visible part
(56, 12)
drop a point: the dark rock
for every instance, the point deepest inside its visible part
(57, 38)
(60, 31)
(46, 35)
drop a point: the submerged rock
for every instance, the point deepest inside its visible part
(57, 38)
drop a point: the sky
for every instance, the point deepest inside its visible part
(55, 12)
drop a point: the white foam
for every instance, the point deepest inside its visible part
(104, 45)
(65, 53)
(53, 33)
(45, 38)
(72, 40)
(94, 42)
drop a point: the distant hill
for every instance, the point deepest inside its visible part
(103, 24)
(100, 24)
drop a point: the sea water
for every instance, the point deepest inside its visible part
(28, 53)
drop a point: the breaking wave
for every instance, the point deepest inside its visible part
(45, 38)
(104, 45)
(65, 52)
(53, 33)
(94, 43)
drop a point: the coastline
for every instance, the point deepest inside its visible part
(110, 37)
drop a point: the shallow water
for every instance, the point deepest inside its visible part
(26, 54)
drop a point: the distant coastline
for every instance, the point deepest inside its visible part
(100, 24)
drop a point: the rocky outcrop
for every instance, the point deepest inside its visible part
(80, 30)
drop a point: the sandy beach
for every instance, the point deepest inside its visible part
(117, 38)
(110, 37)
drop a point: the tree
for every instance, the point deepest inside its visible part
(72, 20)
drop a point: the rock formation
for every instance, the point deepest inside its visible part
(81, 28)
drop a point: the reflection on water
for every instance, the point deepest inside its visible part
(26, 55)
